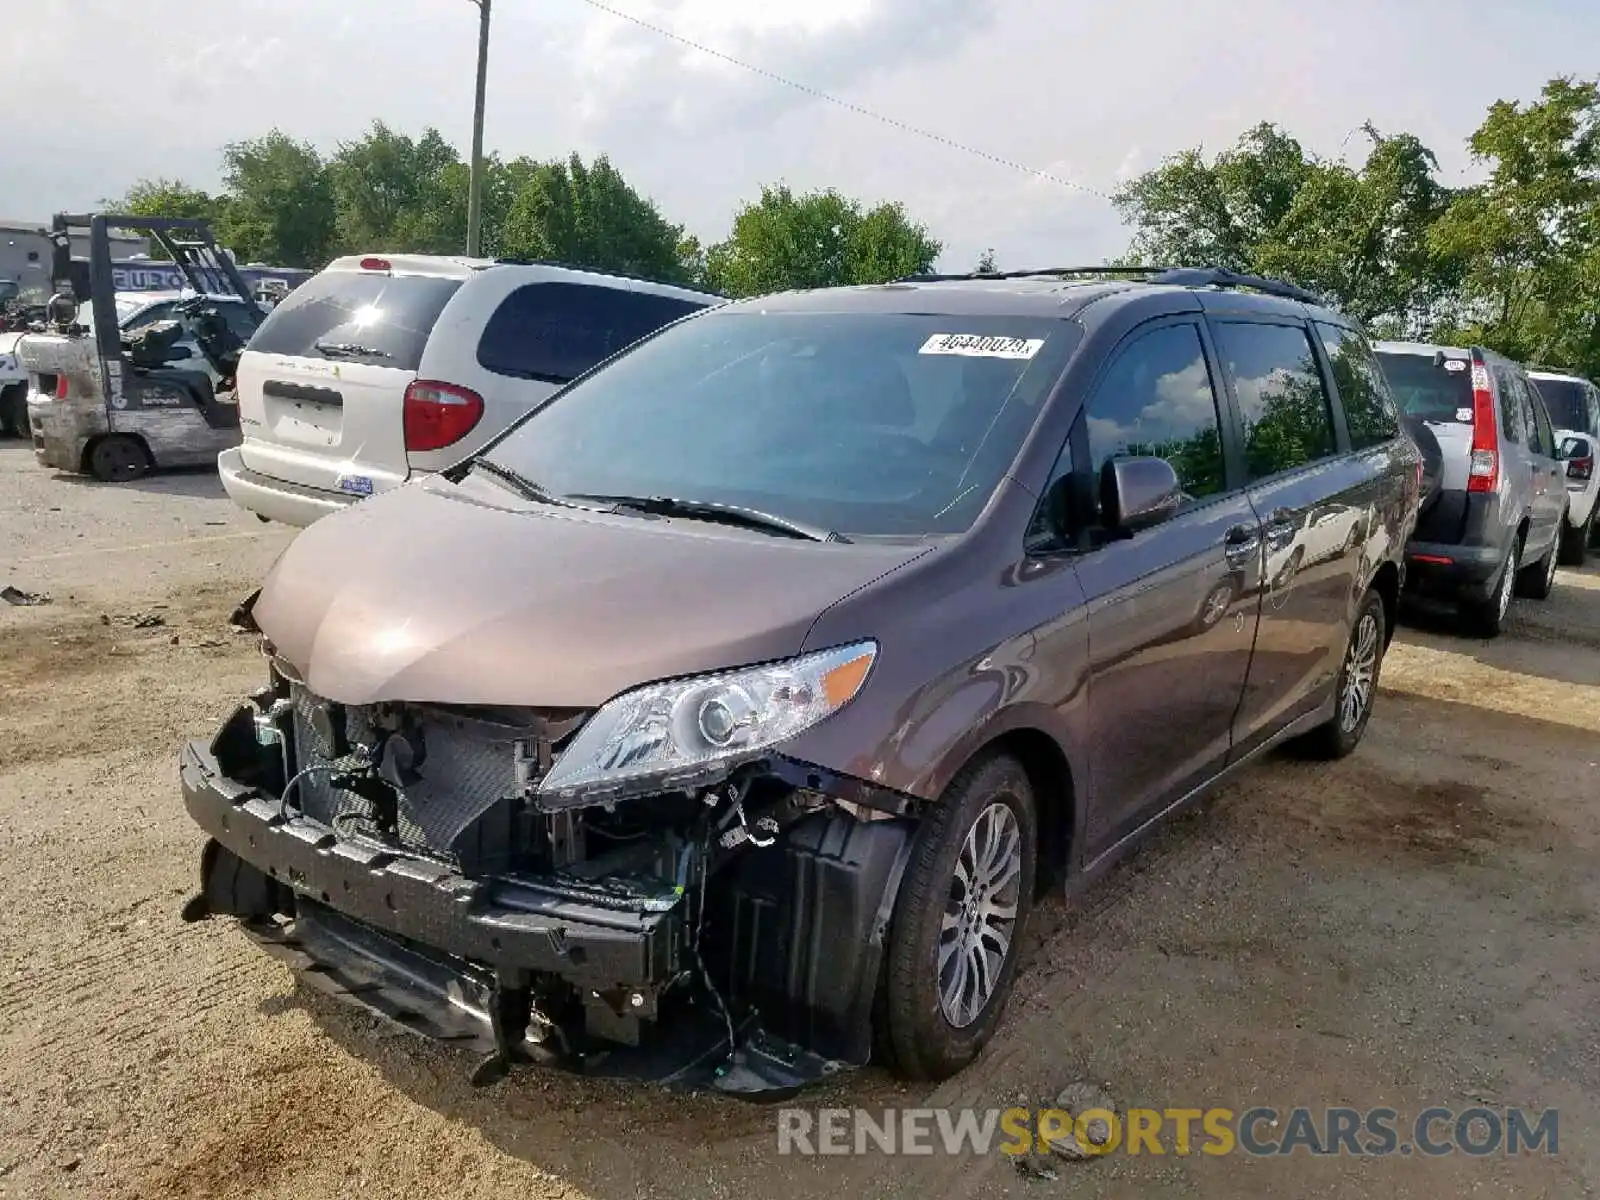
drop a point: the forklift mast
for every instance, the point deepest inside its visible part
(187, 241)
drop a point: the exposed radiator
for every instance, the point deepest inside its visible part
(467, 772)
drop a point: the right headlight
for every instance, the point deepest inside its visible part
(689, 732)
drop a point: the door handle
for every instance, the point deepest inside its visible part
(1240, 544)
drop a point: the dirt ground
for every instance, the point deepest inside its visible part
(1418, 925)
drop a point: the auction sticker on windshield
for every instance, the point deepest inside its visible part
(978, 345)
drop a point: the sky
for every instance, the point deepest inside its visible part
(101, 93)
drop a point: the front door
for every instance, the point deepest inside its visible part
(1172, 609)
(1549, 476)
(1315, 506)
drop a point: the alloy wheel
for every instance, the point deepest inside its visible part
(980, 916)
(1360, 672)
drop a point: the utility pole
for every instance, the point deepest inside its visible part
(475, 188)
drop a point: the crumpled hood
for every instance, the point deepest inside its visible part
(465, 594)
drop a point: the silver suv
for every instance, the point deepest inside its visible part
(1492, 526)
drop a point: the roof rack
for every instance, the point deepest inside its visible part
(1030, 273)
(1196, 277)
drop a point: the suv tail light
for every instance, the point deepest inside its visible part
(439, 414)
(1484, 473)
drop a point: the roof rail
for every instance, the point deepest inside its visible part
(1218, 277)
(1175, 276)
(1029, 273)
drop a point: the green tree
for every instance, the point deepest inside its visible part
(173, 198)
(589, 215)
(400, 194)
(280, 208)
(1529, 237)
(986, 263)
(1191, 212)
(1360, 237)
(821, 239)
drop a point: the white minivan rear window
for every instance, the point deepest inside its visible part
(381, 320)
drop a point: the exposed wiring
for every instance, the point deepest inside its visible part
(849, 106)
(694, 948)
(283, 796)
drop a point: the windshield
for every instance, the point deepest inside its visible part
(860, 423)
(1566, 400)
(1434, 391)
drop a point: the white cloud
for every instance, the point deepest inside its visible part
(1096, 92)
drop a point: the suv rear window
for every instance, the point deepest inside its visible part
(382, 320)
(557, 331)
(1426, 389)
(1567, 400)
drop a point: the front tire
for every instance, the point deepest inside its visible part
(957, 931)
(118, 458)
(1357, 687)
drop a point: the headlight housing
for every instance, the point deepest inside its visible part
(687, 733)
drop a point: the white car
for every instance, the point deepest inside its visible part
(1574, 405)
(382, 367)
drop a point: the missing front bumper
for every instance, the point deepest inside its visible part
(789, 968)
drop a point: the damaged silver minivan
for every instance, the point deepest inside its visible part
(720, 722)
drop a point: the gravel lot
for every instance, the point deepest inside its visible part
(1414, 926)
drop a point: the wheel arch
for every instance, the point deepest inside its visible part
(1057, 797)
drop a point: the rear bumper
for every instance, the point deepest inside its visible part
(275, 499)
(1448, 572)
(60, 432)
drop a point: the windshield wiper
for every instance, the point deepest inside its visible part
(726, 514)
(340, 349)
(520, 483)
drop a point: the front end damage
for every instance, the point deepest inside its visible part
(726, 935)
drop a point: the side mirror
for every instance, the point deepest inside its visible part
(1136, 493)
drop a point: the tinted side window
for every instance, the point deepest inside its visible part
(365, 317)
(1157, 399)
(1513, 405)
(1369, 409)
(1544, 436)
(1282, 401)
(557, 331)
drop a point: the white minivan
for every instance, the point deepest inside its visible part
(385, 366)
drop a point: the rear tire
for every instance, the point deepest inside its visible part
(1575, 542)
(118, 458)
(952, 953)
(1539, 579)
(1486, 617)
(1357, 687)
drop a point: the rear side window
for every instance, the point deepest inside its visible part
(1515, 419)
(381, 320)
(1368, 406)
(557, 331)
(1543, 438)
(1283, 404)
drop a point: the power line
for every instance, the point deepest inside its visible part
(849, 106)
